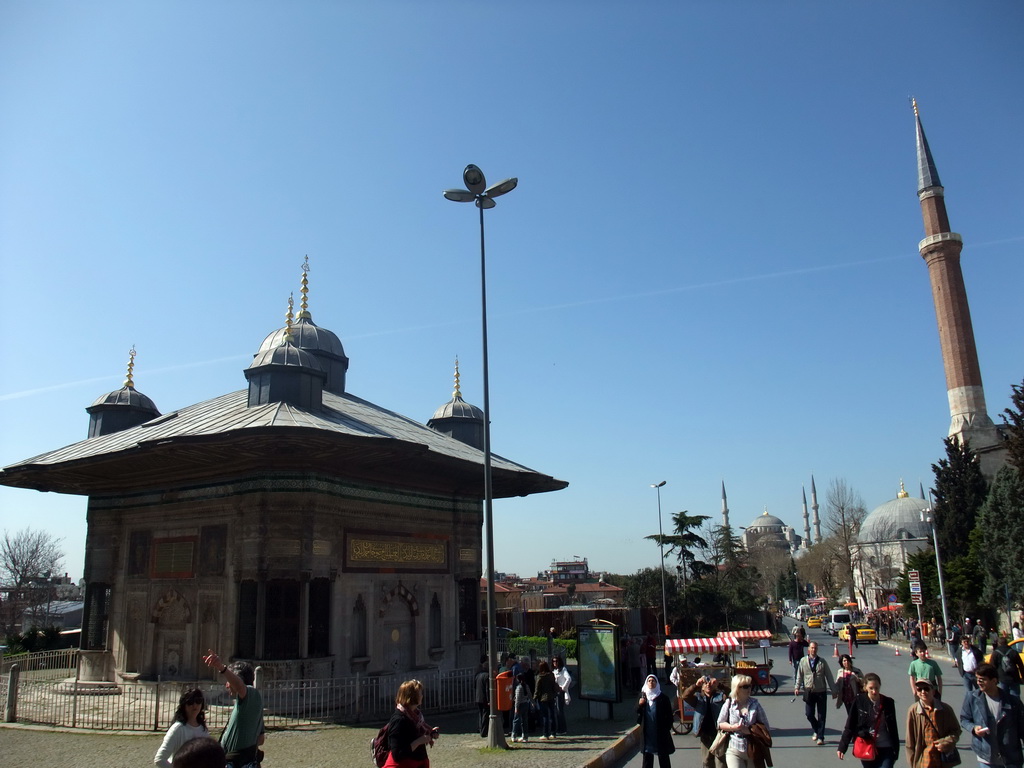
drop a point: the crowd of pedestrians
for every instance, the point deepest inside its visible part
(731, 726)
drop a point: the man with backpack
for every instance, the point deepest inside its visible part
(1009, 666)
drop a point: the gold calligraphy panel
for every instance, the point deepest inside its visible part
(413, 553)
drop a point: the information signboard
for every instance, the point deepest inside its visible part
(916, 599)
(597, 655)
(914, 575)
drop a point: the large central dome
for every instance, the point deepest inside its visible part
(896, 519)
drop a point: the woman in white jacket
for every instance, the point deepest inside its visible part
(189, 723)
(564, 681)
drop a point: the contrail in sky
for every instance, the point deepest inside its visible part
(528, 310)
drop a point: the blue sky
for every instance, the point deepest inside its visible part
(708, 272)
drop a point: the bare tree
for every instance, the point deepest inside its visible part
(820, 566)
(844, 513)
(28, 560)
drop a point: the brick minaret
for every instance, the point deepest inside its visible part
(941, 252)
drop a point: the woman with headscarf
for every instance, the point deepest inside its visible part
(654, 715)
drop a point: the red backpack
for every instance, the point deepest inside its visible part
(379, 747)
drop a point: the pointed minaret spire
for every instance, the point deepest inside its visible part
(814, 509)
(807, 521)
(128, 379)
(922, 491)
(941, 251)
(304, 292)
(725, 507)
(927, 173)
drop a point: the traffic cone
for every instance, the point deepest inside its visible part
(835, 651)
(897, 651)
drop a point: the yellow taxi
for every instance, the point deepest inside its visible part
(1017, 645)
(814, 622)
(865, 633)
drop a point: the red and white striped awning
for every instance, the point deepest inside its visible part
(691, 644)
(747, 634)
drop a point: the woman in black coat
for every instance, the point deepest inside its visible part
(654, 713)
(873, 716)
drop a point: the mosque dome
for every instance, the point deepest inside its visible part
(897, 519)
(764, 521)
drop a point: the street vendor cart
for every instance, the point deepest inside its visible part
(683, 716)
(760, 673)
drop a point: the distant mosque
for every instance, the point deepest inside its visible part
(769, 531)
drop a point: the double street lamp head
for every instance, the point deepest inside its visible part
(478, 191)
(659, 485)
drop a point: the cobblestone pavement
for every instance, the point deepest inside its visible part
(459, 746)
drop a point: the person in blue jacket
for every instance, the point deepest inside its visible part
(995, 719)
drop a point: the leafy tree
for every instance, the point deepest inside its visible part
(959, 492)
(1001, 538)
(685, 540)
(26, 557)
(1013, 419)
(731, 579)
(644, 588)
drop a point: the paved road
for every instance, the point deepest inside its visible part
(790, 730)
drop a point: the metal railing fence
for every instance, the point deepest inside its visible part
(150, 706)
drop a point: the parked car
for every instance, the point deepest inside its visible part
(865, 633)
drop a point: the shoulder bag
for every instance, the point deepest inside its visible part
(864, 747)
(720, 745)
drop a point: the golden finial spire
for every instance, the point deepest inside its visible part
(289, 317)
(913, 103)
(128, 381)
(457, 394)
(304, 301)
(903, 491)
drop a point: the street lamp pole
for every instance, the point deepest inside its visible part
(927, 516)
(661, 546)
(477, 192)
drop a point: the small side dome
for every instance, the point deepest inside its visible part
(457, 408)
(129, 396)
(121, 409)
(459, 419)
